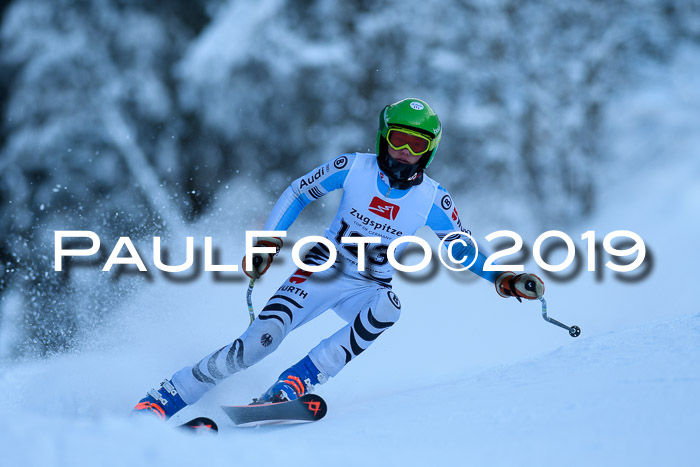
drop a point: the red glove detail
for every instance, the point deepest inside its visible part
(527, 286)
(262, 261)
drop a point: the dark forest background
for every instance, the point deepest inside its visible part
(127, 117)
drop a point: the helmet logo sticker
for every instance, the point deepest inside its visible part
(417, 105)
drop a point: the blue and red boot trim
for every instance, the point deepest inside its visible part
(293, 383)
(164, 402)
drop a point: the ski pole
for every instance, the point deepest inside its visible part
(574, 331)
(249, 299)
(257, 260)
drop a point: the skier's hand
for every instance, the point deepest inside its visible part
(527, 286)
(262, 261)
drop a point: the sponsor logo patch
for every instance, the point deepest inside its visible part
(299, 276)
(294, 290)
(376, 226)
(446, 202)
(340, 162)
(312, 178)
(394, 299)
(266, 340)
(383, 208)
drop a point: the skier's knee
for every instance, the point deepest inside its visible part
(388, 309)
(261, 339)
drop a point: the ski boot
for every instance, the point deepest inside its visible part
(293, 383)
(164, 402)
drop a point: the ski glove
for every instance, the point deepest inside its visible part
(262, 261)
(528, 286)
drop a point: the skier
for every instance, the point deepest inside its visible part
(384, 196)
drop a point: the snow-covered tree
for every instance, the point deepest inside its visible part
(126, 116)
(87, 130)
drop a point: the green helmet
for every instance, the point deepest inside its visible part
(416, 115)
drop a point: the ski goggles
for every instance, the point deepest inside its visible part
(416, 143)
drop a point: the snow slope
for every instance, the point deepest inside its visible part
(464, 377)
(623, 398)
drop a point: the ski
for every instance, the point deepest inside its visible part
(201, 425)
(308, 408)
